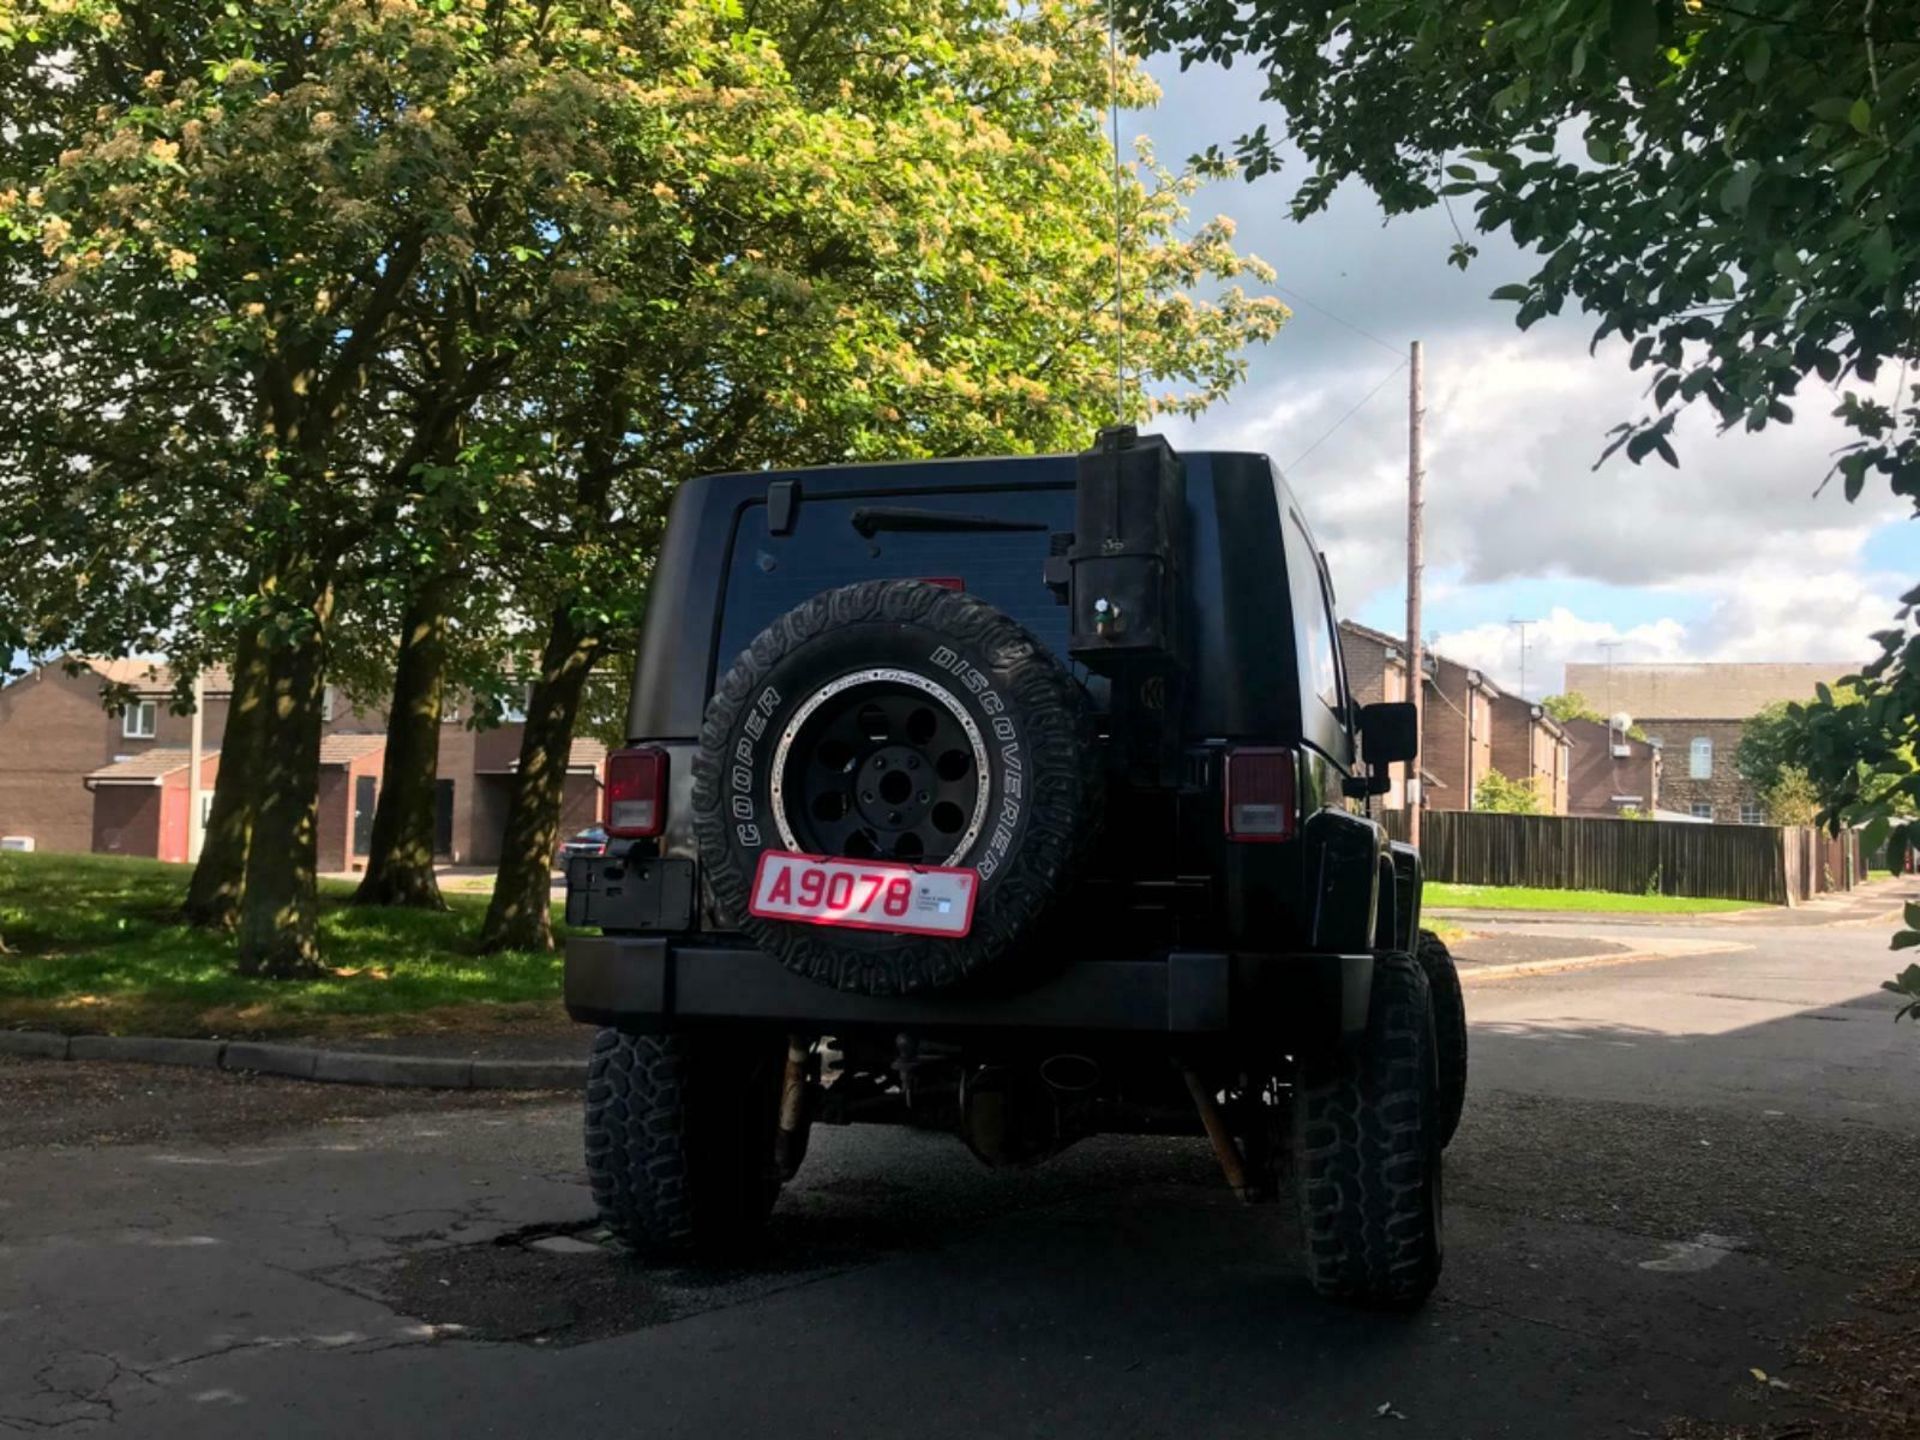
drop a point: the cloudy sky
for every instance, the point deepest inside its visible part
(1731, 557)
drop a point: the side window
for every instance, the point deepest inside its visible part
(1313, 620)
(1700, 759)
(1342, 691)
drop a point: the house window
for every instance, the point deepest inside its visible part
(138, 719)
(514, 711)
(1750, 813)
(1702, 810)
(1700, 759)
(326, 705)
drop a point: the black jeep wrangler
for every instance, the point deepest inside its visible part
(1019, 798)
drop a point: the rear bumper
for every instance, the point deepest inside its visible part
(656, 983)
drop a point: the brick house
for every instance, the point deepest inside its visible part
(55, 738)
(1470, 727)
(1530, 745)
(1456, 721)
(1612, 771)
(75, 776)
(1694, 714)
(141, 803)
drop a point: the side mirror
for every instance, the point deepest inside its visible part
(1389, 731)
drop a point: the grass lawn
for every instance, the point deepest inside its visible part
(95, 946)
(1514, 897)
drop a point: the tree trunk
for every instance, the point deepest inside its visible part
(279, 919)
(400, 854)
(213, 896)
(517, 917)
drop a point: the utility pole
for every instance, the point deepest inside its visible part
(196, 833)
(1521, 626)
(1416, 671)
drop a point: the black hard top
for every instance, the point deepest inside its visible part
(1246, 660)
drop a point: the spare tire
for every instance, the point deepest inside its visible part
(896, 720)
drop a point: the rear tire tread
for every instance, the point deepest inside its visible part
(679, 1140)
(1366, 1153)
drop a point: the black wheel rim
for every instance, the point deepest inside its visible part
(881, 770)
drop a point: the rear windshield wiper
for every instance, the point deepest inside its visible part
(870, 520)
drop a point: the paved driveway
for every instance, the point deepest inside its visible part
(1668, 1172)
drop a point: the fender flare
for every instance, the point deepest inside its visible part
(1344, 858)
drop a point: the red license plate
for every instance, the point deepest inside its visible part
(864, 894)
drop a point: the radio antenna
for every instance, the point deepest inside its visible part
(1119, 292)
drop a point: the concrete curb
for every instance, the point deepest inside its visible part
(147, 1049)
(301, 1062)
(1519, 969)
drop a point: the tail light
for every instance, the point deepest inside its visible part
(1261, 800)
(636, 801)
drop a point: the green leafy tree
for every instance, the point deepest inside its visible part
(1735, 206)
(956, 298)
(1571, 706)
(286, 247)
(1575, 706)
(1791, 798)
(1498, 795)
(1768, 744)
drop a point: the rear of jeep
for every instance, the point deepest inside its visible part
(1013, 798)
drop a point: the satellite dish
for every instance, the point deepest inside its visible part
(1621, 721)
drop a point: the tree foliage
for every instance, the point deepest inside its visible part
(1857, 744)
(1498, 795)
(1725, 187)
(1572, 706)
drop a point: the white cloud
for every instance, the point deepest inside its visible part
(1515, 425)
(1553, 640)
(1729, 557)
(1796, 598)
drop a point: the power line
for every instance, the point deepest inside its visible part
(1338, 320)
(1351, 411)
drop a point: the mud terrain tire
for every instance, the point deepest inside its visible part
(680, 1138)
(1367, 1151)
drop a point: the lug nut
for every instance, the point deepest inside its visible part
(866, 797)
(922, 797)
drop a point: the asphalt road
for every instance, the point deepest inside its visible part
(1669, 1170)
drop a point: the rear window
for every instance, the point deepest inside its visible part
(769, 575)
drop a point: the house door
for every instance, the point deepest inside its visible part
(366, 794)
(443, 817)
(173, 824)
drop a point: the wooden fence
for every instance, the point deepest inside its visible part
(1776, 865)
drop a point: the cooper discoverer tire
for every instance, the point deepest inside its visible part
(902, 721)
(1449, 1029)
(680, 1138)
(1367, 1151)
